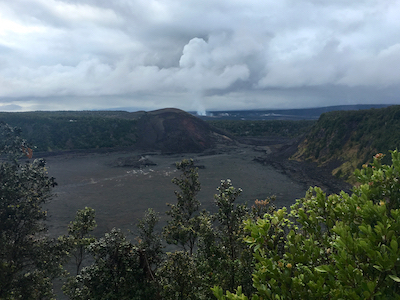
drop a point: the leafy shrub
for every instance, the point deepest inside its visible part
(338, 247)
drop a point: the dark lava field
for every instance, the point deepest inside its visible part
(121, 192)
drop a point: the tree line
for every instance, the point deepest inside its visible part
(341, 246)
(264, 128)
(60, 131)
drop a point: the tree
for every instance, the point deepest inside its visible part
(182, 229)
(149, 246)
(78, 234)
(337, 247)
(179, 277)
(114, 274)
(222, 255)
(29, 259)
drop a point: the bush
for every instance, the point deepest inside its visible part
(337, 247)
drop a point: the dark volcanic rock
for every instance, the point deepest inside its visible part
(133, 162)
(174, 131)
(307, 173)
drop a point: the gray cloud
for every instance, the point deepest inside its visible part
(87, 54)
(10, 107)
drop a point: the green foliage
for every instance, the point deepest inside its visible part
(382, 180)
(179, 278)
(238, 295)
(120, 270)
(337, 247)
(115, 273)
(78, 234)
(230, 259)
(11, 142)
(54, 131)
(29, 259)
(182, 229)
(149, 243)
(221, 256)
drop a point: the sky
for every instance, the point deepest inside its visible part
(197, 55)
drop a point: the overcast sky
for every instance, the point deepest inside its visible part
(198, 54)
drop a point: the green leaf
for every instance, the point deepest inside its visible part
(379, 268)
(395, 278)
(394, 245)
(371, 286)
(218, 293)
(323, 269)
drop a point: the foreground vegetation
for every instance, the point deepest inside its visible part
(336, 247)
(341, 246)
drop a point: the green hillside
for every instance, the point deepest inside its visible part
(64, 130)
(351, 138)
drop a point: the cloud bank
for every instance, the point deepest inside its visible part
(197, 55)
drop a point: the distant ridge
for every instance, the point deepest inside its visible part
(167, 130)
(282, 114)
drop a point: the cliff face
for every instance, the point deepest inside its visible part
(173, 131)
(347, 139)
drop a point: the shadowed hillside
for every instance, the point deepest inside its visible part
(173, 130)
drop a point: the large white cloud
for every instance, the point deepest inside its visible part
(197, 54)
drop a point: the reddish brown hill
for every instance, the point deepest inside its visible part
(174, 131)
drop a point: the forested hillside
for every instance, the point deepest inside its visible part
(168, 130)
(351, 138)
(55, 131)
